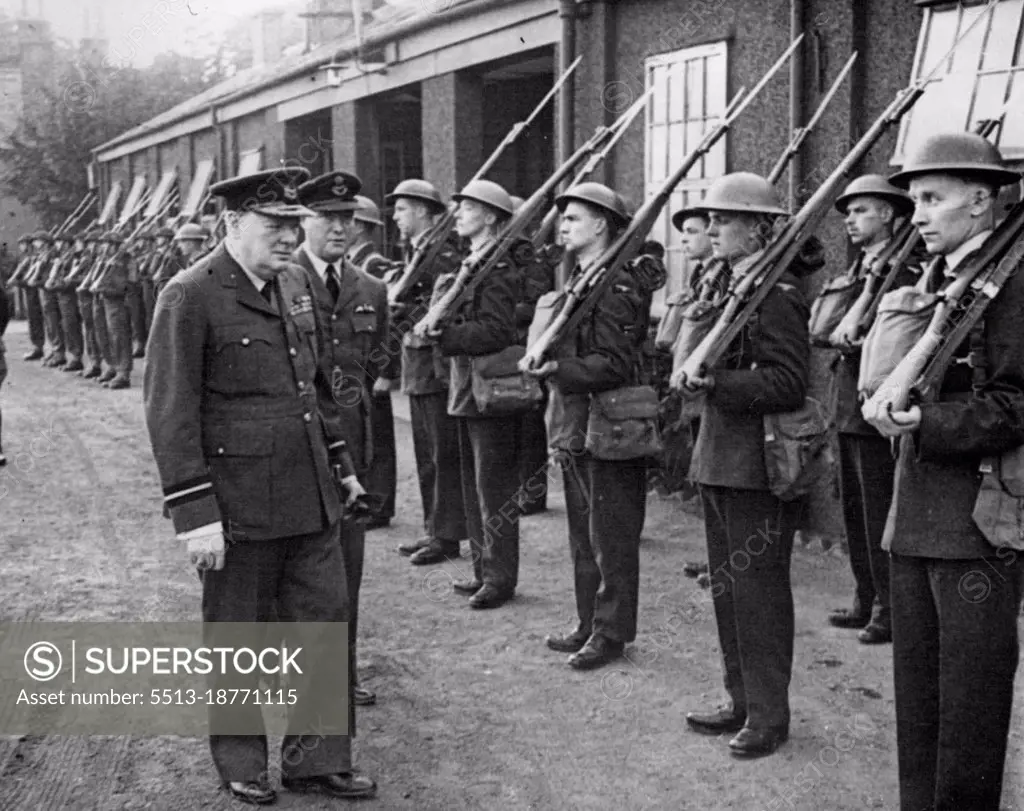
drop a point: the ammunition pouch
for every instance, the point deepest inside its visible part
(834, 301)
(499, 388)
(623, 424)
(671, 321)
(999, 508)
(797, 452)
(903, 316)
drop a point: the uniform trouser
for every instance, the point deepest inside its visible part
(382, 477)
(3, 377)
(136, 315)
(51, 321)
(353, 550)
(118, 334)
(71, 323)
(533, 459)
(750, 543)
(92, 346)
(606, 504)
(435, 438)
(34, 313)
(955, 653)
(148, 302)
(490, 482)
(297, 579)
(99, 321)
(866, 471)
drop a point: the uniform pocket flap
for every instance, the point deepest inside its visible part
(627, 403)
(499, 364)
(238, 439)
(808, 421)
(243, 334)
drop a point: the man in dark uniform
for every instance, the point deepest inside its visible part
(67, 301)
(51, 304)
(141, 253)
(955, 597)
(231, 392)
(184, 251)
(94, 334)
(353, 308)
(425, 380)
(382, 477)
(33, 306)
(108, 291)
(870, 205)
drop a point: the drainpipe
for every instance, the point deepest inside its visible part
(566, 96)
(796, 97)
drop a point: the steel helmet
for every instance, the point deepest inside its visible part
(421, 190)
(599, 196)
(517, 202)
(367, 211)
(191, 231)
(742, 192)
(43, 236)
(875, 186)
(956, 153)
(684, 214)
(487, 192)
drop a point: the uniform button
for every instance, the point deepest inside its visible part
(307, 416)
(220, 451)
(292, 352)
(336, 341)
(245, 342)
(334, 317)
(301, 385)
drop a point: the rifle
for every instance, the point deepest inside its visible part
(431, 245)
(21, 270)
(97, 277)
(74, 216)
(775, 259)
(614, 133)
(893, 259)
(583, 294)
(918, 376)
(476, 268)
(800, 135)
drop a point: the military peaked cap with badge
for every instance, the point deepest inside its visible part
(273, 193)
(334, 191)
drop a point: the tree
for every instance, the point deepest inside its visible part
(43, 162)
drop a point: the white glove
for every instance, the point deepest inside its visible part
(205, 546)
(353, 490)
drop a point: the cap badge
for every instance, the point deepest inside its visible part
(290, 193)
(340, 187)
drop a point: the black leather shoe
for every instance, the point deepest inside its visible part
(415, 546)
(570, 643)
(3, 460)
(118, 382)
(58, 361)
(715, 723)
(875, 635)
(597, 651)
(694, 568)
(844, 618)
(467, 586)
(107, 376)
(73, 366)
(252, 792)
(351, 786)
(95, 371)
(754, 742)
(362, 697)
(489, 597)
(35, 354)
(433, 554)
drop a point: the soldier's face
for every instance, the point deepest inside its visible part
(580, 227)
(868, 220)
(948, 211)
(38, 244)
(327, 234)
(694, 239)
(732, 235)
(264, 243)
(473, 218)
(411, 218)
(189, 247)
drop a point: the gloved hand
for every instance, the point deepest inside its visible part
(206, 548)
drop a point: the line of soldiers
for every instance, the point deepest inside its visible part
(89, 296)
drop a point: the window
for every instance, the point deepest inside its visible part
(197, 191)
(110, 206)
(983, 75)
(162, 194)
(689, 99)
(250, 161)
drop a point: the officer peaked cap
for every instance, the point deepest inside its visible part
(273, 193)
(334, 191)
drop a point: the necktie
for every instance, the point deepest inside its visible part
(937, 275)
(267, 292)
(332, 283)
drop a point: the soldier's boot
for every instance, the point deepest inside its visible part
(107, 376)
(35, 354)
(91, 372)
(118, 382)
(73, 365)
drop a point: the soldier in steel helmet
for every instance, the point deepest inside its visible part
(871, 208)
(483, 325)
(955, 597)
(749, 530)
(256, 474)
(382, 477)
(605, 500)
(435, 437)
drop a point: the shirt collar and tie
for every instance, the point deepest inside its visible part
(263, 286)
(327, 272)
(944, 268)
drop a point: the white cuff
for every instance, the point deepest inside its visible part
(199, 532)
